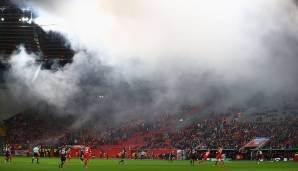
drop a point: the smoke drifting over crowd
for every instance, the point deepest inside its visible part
(137, 56)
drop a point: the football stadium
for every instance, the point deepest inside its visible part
(152, 85)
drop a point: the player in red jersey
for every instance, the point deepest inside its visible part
(205, 156)
(87, 155)
(68, 153)
(219, 157)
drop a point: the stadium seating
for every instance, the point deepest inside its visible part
(207, 133)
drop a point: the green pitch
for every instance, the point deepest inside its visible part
(24, 164)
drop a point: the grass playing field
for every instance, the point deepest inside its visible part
(24, 164)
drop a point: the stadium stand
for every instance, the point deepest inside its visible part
(167, 133)
(157, 137)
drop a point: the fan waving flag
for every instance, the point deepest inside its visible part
(257, 142)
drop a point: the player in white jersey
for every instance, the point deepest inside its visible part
(63, 154)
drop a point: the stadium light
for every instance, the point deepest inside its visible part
(30, 21)
(100, 97)
(26, 20)
(2, 19)
(25, 9)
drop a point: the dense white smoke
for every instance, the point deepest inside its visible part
(142, 55)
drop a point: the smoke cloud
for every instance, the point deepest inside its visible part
(137, 57)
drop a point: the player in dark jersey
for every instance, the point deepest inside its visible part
(259, 156)
(7, 151)
(123, 154)
(171, 156)
(192, 156)
(82, 154)
(63, 154)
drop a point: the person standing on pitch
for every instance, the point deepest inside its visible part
(123, 154)
(82, 154)
(219, 157)
(63, 153)
(8, 154)
(87, 155)
(35, 154)
(192, 156)
(205, 156)
(259, 156)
